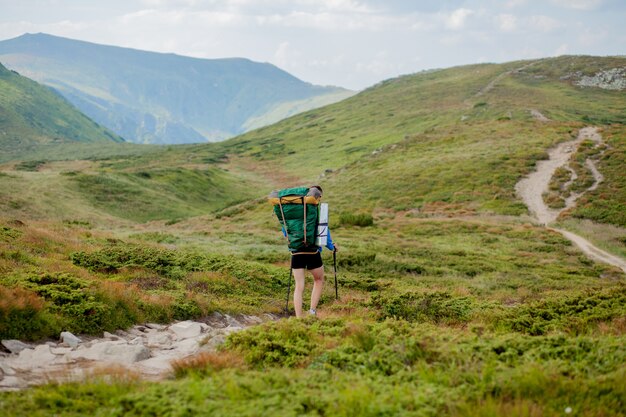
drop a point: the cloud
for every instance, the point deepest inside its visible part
(590, 37)
(506, 22)
(456, 20)
(333, 22)
(561, 50)
(514, 3)
(544, 23)
(181, 18)
(281, 56)
(578, 4)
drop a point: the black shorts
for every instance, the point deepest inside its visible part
(306, 260)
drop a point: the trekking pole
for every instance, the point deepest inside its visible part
(288, 291)
(335, 266)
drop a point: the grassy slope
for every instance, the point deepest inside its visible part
(31, 114)
(479, 315)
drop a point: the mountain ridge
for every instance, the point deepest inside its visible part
(151, 97)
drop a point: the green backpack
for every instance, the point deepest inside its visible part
(297, 211)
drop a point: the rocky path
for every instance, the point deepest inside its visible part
(532, 188)
(145, 351)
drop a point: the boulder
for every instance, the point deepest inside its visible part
(6, 369)
(60, 350)
(156, 365)
(155, 326)
(186, 329)
(111, 336)
(10, 382)
(37, 358)
(186, 347)
(113, 351)
(160, 339)
(69, 339)
(15, 346)
(232, 322)
(213, 343)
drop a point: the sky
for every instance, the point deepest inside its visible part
(348, 43)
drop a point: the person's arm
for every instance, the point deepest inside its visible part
(330, 244)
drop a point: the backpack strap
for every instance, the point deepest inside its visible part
(282, 213)
(304, 203)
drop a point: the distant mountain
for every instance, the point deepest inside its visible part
(149, 97)
(32, 114)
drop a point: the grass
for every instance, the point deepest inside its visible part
(33, 114)
(451, 303)
(607, 204)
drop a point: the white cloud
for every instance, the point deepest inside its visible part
(281, 56)
(506, 22)
(578, 4)
(544, 23)
(590, 37)
(326, 21)
(181, 18)
(561, 50)
(514, 3)
(456, 20)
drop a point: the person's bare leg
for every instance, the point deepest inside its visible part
(318, 283)
(298, 275)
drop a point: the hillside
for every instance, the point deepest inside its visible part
(32, 115)
(453, 298)
(161, 98)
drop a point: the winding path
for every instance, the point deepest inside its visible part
(532, 188)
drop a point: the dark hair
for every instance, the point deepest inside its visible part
(318, 187)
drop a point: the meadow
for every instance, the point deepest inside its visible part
(452, 302)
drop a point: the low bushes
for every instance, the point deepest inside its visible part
(576, 314)
(434, 307)
(356, 219)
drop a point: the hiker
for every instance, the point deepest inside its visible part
(305, 254)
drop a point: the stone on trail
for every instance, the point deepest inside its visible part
(69, 339)
(39, 357)
(155, 326)
(6, 369)
(60, 350)
(112, 336)
(11, 382)
(186, 346)
(159, 339)
(213, 343)
(113, 351)
(186, 329)
(15, 346)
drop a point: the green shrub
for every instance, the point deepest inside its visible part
(22, 315)
(356, 219)
(575, 314)
(29, 165)
(435, 307)
(8, 233)
(284, 343)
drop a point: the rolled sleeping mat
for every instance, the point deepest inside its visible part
(321, 237)
(312, 196)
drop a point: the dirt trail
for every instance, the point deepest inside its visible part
(532, 188)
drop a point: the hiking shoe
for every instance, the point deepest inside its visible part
(312, 312)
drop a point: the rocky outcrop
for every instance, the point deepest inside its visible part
(146, 350)
(612, 79)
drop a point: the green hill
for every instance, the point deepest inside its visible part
(158, 98)
(452, 302)
(32, 115)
